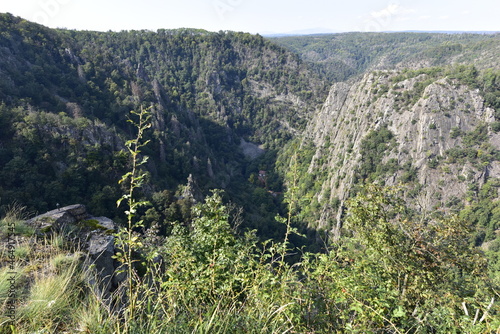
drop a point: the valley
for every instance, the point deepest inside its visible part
(321, 183)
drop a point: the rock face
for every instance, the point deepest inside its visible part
(192, 191)
(427, 116)
(101, 248)
(250, 150)
(93, 234)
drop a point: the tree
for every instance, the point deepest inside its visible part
(407, 273)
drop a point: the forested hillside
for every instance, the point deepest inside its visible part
(342, 56)
(316, 184)
(214, 97)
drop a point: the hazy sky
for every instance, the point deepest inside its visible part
(261, 16)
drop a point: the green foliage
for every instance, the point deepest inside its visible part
(410, 97)
(477, 136)
(421, 268)
(126, 240)
(466, 74)
(47, 281)
(211, 280)
(388, 273)
(373, 149)
(490, 86)
(166, 208)
(46, 160)
(14, 222)
(487, 81)
(432, 72)
(483, 212)
(433, 163)
(495, 126)
(455, 132)
(474, 147)
(210, 246)
(493, 254)
(51, 299)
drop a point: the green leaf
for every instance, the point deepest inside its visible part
(125, 177)
(399, 312)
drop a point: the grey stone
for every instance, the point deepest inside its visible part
(101, 249)
(106, 223)
(93, 233)
(59, 218)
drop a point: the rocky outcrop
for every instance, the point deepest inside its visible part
(59, 219)
(95, 237)
(424, 113)
(192, 191)
(251, 151)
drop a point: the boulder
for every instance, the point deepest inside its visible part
(58, 219)
(94, 234)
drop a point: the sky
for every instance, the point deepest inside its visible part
(261, 16)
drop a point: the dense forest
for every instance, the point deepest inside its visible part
(306, 184)
(66, 97)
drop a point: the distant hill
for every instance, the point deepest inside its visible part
(450, 32)
(325, 31)
(342, 56)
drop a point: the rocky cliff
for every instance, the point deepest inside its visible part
(439, 137)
